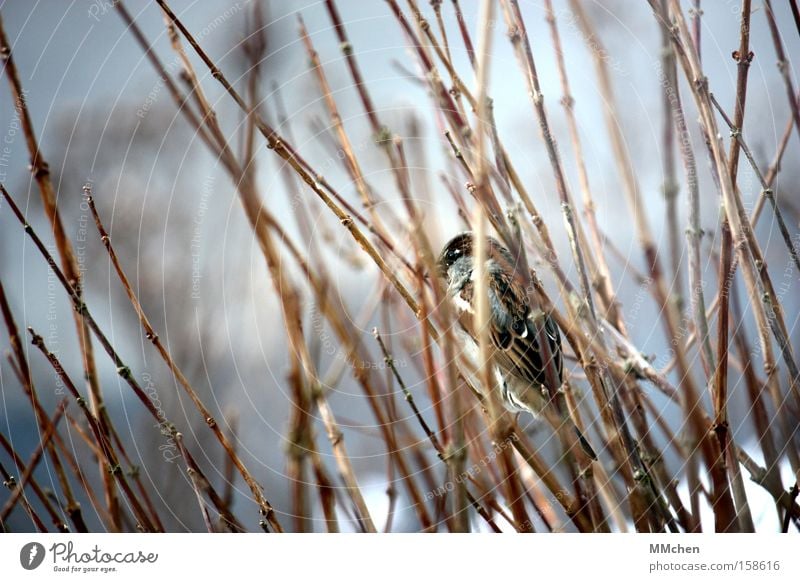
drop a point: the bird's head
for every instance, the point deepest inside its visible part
(455, 260)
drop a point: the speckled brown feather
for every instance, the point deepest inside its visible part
(529, 382)
(513, 331)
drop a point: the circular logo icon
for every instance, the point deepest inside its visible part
(31, 555)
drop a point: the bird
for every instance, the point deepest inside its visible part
(528, 374)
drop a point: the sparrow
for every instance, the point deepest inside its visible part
(519, 361)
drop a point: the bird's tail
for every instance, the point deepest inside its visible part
(553, 409)
(570, 432)
(584, 442)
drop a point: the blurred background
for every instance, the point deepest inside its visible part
(104, 116)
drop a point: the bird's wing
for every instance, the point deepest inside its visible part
(515, 333)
